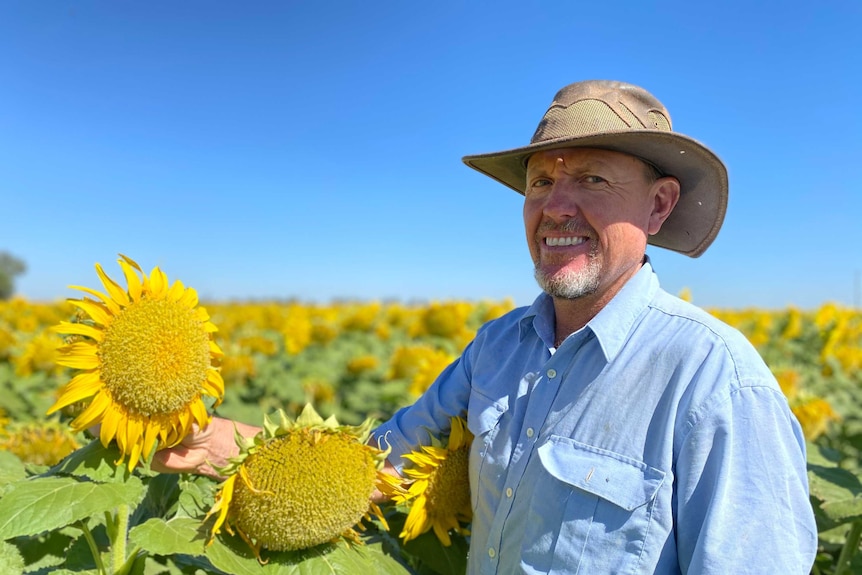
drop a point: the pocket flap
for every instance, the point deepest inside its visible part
(483, 413)
(625, 482)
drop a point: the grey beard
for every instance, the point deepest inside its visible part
(570, 285)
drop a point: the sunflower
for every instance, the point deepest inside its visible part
(299, 484)
(40, 443)
(437, 489)
(145, 359)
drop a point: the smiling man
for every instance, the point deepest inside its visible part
(618, 429)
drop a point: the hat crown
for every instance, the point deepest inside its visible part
(601, 107)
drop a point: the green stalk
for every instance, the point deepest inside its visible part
(130, 562)
(851, 546)
(94, 549)
(118, 545)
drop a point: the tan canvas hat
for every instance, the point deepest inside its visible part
(626, 118)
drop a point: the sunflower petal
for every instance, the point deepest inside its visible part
(69, 328)
(97, 311)
(131, 262)
(93, 413)
(158, 283)
(117, 293)
(132, 279)
(190, 298)
(110, 424)
(82, 386)
(78, 355)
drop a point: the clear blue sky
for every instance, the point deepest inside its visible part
(276, 149)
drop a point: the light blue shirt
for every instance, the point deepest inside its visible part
(654, 440)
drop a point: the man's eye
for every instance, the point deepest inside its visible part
(540, 182)
(594, 179)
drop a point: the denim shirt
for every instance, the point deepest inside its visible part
(654, 440)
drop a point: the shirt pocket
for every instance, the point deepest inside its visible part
(600, 501)
(483, 421)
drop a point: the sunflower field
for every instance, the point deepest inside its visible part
(77, 494)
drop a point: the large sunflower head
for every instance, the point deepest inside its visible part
(145, 359)
(437, 486)
(298, 484)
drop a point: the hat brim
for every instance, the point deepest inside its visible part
(694, 222)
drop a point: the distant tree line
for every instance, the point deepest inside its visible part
(10, 266)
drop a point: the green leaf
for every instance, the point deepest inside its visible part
(47, 503)
(181, 535)
(11, 468)
(11, 562)
(93, 461)
(232, 555)
(838, 490)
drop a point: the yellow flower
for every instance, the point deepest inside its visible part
(40, 355)
(438, 487)
(44, 443)
(145, 360)
(362, 364)
(814, 416)
(298, 484)
(429, 368)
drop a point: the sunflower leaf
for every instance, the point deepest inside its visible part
(232, 555)
(10, 559)
(181, 535)
(93, 461)
(47, 503)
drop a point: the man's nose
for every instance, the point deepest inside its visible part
(561, 203)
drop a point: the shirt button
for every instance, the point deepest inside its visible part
(530, 432)
(492, 553)
(552, 373)
(509, 492)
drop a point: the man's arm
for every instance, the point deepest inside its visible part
(741, 501)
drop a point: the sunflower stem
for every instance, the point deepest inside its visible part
(130, 562)
(94, 549)
(118, 547)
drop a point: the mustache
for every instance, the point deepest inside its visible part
(572, 226)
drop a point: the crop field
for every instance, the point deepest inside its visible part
(361, 360)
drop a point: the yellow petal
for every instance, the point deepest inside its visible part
(132, 279)
(135, 433)
(175, 293)
(82, 386)
(117, 293)
(97, 311)
(131, 262)
(151, 433)
(456, 435)
(190, 298)
(94, 412)
(69, 328)
(214, 384)
(76, 357)
(215, 350)
(110, 424)
(158, 283)
(222, 506)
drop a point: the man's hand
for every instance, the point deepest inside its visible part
(202, 449)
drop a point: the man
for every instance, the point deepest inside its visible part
(617, 428)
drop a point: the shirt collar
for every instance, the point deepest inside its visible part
(611, 325)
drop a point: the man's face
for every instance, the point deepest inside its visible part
(587, 215)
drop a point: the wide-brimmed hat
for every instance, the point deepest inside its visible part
(625, 118)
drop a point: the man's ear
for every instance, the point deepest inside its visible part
(665, 193)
